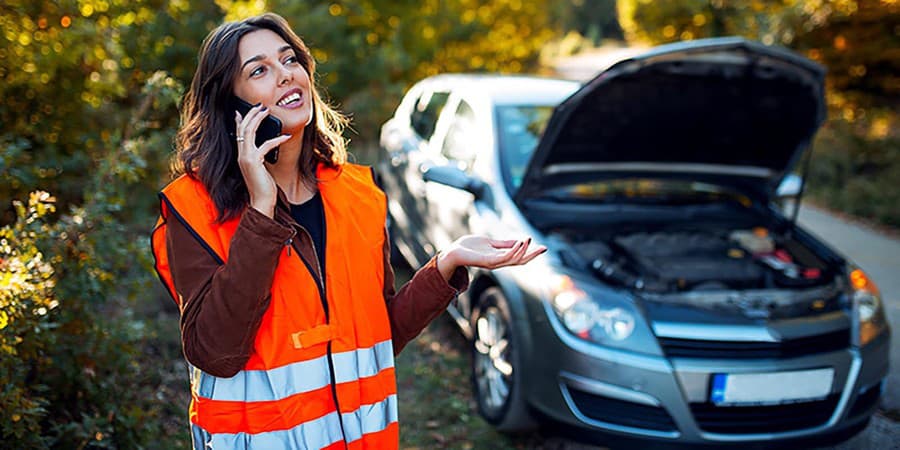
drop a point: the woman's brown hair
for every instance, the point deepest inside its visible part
(205, 150)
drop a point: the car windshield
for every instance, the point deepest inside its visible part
(647, 190)
(520, 129)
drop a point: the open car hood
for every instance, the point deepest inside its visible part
(726, 111)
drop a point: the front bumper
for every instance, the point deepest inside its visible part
(581, 385)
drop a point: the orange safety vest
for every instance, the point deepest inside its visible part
(314, 379)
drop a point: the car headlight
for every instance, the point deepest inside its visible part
(610, 321)
(868, 309)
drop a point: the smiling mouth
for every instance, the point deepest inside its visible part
(289, 99)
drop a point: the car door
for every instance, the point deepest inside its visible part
(457, 143)
(405, 141)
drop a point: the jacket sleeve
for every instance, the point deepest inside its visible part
(419, 301)
(222, 305)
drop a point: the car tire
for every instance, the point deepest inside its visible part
(496, 365)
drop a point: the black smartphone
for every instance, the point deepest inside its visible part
(269, 128)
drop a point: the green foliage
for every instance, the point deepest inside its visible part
(70, 291)
(72, 71)
(26, 307)
(856, 163)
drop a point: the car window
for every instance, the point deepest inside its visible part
(426, 111)
(458, 145)
(519, 129)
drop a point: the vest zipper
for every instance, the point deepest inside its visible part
(320, 284)
(290, 241)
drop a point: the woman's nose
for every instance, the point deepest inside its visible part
(286, 75)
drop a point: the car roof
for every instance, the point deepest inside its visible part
(506, 89)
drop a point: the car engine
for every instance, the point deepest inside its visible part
(699, 260)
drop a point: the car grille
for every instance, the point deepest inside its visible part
(689, 348)
(763, 419)
(621, 412)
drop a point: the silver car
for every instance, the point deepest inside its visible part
(678, 301)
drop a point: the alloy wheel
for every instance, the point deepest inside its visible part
(493, 370)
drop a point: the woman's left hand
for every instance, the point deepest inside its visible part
(482, 251)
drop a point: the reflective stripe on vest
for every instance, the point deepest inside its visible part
(296, 378)
(314, 434)
(370, 418)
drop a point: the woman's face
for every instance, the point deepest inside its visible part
(271, 73)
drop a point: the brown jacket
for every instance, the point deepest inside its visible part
(223, 304)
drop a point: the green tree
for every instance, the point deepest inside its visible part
(71, 70)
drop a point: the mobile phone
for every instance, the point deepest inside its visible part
(269, 128)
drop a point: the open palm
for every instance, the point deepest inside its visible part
(482, 251)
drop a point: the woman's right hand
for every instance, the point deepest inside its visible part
(251, 159)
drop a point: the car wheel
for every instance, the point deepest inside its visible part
(496, 365)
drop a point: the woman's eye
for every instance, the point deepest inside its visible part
(256, 71)
(290, 60)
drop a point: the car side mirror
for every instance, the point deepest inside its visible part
(454, 177)
(789, 188)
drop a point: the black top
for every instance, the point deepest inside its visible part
(311, 216)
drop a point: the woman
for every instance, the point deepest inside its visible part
(289, 319)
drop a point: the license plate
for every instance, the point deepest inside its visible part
(771, 388)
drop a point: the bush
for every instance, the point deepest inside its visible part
(856, 162)
(72, 376)
(26, 310)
